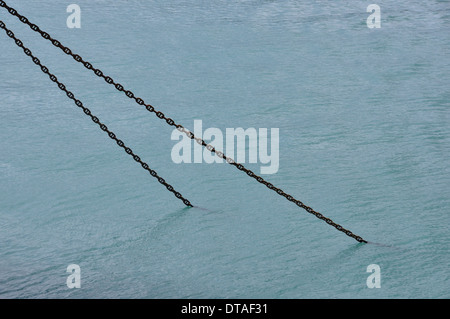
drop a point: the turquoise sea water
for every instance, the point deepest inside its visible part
(364, 120)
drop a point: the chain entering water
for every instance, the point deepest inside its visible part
(171, 122)
(95, 119)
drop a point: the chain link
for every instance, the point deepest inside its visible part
(95, 119)
(171, 122)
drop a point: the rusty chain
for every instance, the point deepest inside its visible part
(95, 119)
(171, 122)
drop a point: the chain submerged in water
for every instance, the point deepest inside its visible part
(162, 116)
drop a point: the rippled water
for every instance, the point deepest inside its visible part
(364, 120)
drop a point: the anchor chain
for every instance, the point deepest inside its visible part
(181, 128)
(95, 119)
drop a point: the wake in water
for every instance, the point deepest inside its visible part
(385, 245)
